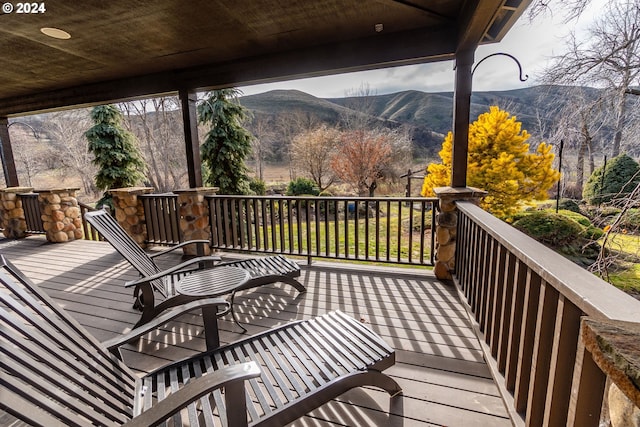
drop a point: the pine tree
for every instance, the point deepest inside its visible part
(115, 151)
(227, 144)
(500, 163)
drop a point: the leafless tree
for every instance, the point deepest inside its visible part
(312, 152)
(157, 124)
(66, 132)
(30, 153)
(289, 126)
(262, 145)
(569, 9)
(609, 58)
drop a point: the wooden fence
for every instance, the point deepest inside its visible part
(527, 301)
(162, 219)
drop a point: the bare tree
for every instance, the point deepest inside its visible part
(610, 58)
(360, 108)
(29, 152)
(288, 126)
(66, 132)
(157, 124)
(312, 152)
(262, 145)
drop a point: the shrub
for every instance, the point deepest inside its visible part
(302, 186)
(631, 220)
(569, 205)
(552, 229)
(258, 186)
(620, 178)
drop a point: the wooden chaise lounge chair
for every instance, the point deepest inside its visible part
(156, 282)
(54, 373)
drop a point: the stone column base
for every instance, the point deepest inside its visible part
(130, 212)
(193, 211)
(447, 226)
(61, 217)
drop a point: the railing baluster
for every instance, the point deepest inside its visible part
(399, 241)
(515, 326)
(309, 250)
(541, 361)
(497, 300)
(563, 356)
(281, 215)
(272, 214)
(525, 353)
(356, 229)
(377, 230)
(388, 236)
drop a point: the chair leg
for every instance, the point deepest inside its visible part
(233, 314)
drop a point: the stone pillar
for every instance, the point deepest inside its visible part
(447, 226)
(129, 212)
(12, 217)
(614, 348)
(61, 217)
(193, 211)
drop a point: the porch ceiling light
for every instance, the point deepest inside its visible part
(56, 33)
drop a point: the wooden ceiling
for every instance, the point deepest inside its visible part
(123, 49)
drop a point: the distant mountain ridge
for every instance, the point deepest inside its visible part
(429, 115)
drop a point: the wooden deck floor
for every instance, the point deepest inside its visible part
(439, 361)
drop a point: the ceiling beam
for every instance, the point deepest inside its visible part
(377, 51)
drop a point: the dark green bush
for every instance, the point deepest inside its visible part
(258, 186)
(549, 228)
(569, 205)
(620, 178)
(302, 187)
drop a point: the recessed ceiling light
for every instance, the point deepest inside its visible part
(56, 33)
(378, 28)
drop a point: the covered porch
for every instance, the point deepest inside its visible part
(439, 360)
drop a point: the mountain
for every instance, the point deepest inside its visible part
(427, 115)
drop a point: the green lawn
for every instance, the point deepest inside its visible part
(627, 276)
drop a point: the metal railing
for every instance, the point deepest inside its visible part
(527, 301)
(389, 230)
(32, 213)
(161, 216)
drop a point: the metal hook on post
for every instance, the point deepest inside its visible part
(522, 79)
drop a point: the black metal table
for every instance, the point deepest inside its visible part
(214, 282)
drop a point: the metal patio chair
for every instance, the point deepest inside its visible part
(54, 373)
(156, 283)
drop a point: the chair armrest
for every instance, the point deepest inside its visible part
(230, 377)
(171, 270)
(179, 245)
(114, 344)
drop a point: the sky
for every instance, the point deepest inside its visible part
(533, 43)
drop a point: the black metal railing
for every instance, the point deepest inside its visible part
(389, 230)
(32, 213)
(161, 216)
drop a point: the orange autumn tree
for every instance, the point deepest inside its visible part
(362, 158)
(500, 163)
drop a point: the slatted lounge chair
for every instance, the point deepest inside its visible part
(54, 373)
(162, 283)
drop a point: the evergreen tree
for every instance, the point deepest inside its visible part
(499, 162)
(115, 151)
(621, 177)
(227, 144)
